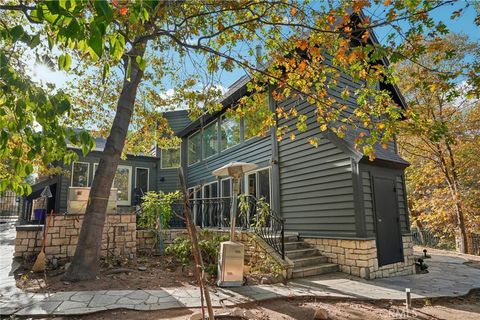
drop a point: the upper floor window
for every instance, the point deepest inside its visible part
(210, 140)
(170, 158)
(80, 171)
(194, 148)
(229, 132)
(255, 123)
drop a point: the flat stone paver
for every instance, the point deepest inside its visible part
(448, 276)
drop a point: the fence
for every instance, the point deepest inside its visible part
(9, 205)
(444, 241)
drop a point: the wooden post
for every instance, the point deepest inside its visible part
(192, 232)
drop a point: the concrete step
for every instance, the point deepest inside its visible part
(301, 253)
(309, 261)
(296, 245)
(314, 270)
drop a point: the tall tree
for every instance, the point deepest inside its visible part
(442, 137)
(308, 45)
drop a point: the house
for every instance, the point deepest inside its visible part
(341, 207)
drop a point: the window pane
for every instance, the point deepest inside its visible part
(80, 175)
(254, 122)
(264, 185)
(122, 183)
(230, 132)
(226, 192)
(194, 148)
(252, 184)
(170, 158)
(142, 179)
(210, 140)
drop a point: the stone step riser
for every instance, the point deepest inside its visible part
(314, 271)
(296, 245)
(313, 261)
(301, 254)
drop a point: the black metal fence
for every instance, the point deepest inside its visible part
(444, 241)
(9, 205)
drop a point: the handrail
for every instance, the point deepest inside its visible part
(215, 213)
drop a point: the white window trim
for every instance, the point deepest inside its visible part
(179, 158)
(221, 186)
(148, 177)
(207, 184)
(188, 151)
(129, 201)
(257, 181)
(239, 134)
(218, 142)
(88, 173)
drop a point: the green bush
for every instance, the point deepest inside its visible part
(209, 243)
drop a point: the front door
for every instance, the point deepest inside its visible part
(389, 237)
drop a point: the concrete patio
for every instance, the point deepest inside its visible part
(448, 277)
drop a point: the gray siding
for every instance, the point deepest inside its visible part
(255, 150)
(316, 188)
(367, 171)
(94, 157)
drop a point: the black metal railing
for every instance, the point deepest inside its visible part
(215, 213)
(429, 239)
(10, 205)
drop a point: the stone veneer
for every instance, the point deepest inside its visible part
(257, 251)
(359, 257)
(119, 237)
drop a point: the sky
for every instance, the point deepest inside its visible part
(464, 24)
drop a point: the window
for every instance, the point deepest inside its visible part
(210, 190)
(194, 148)
(123, 183)
(170, 158)
(142, 179)
(210, 140)
(226, 187)
(258, 184)
(255, 122)
(80, 171)
(229, 131)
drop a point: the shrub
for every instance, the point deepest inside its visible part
(209, 243)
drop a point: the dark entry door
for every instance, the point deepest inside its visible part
(389, 238)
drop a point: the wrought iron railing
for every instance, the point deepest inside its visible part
(215, 213)
(9, 205)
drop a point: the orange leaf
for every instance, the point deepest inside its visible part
(123, 11)
(293, 10)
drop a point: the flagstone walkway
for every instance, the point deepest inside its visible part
(448, 277)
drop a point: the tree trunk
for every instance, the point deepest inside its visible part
(85, 262)
(197, 254)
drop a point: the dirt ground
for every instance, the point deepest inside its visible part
(160, 272)
(464, 308)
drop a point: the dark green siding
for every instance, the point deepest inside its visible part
(255, 150)
(316, 188)
(94, 157)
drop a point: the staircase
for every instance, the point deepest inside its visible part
(307, 260)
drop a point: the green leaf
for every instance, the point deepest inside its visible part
(64, 62)
(35, 41)
(105, 72)
(96, 41)
(142, 63)
(103, 9)
(16, 32)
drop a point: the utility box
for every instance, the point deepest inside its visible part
(230, 264)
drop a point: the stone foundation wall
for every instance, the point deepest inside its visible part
(258, 254)
(119, 237)
(359, 257)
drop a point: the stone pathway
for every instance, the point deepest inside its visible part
(448, 277)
